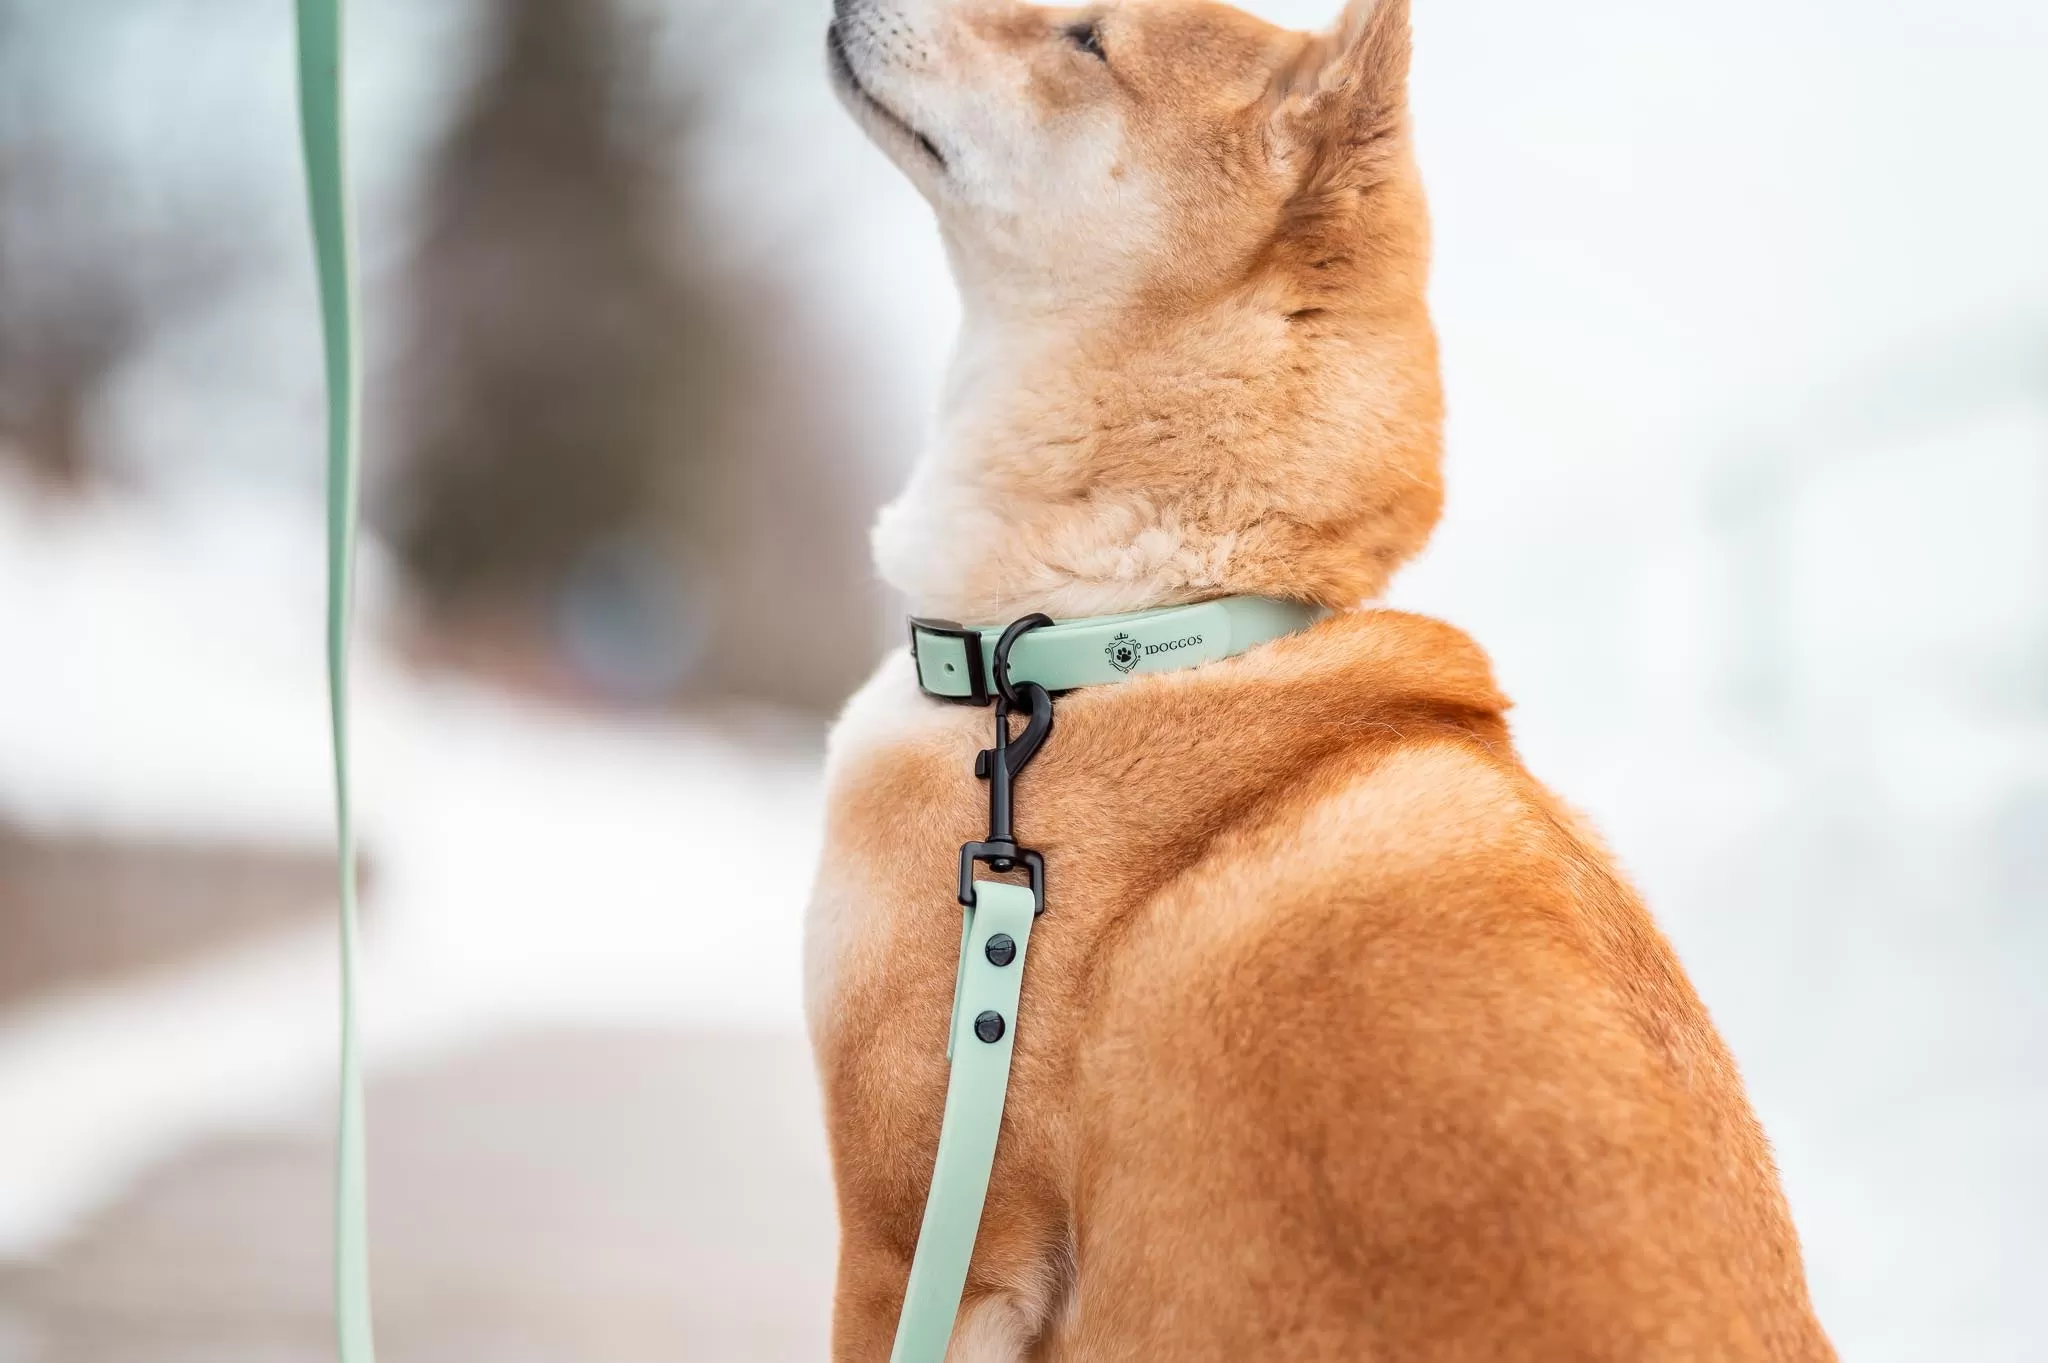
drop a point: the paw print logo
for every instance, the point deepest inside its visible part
(1125, 653)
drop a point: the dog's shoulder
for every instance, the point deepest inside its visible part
(1397, 765)
(1409, 997)
(1413, 835)
(1407, 860)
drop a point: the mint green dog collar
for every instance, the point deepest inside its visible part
(957, 663)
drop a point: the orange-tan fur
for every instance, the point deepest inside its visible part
(1342, 1039)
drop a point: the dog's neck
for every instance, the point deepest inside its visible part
(995, 524)
(1105, 458)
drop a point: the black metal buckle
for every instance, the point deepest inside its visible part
(977, 675)
(1001, 765)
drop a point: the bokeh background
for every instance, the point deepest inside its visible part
(1745, 313)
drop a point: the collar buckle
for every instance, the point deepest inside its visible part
(970, 667)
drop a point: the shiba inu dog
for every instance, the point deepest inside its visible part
(1342, 1038)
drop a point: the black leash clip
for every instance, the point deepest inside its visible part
(1001, 765)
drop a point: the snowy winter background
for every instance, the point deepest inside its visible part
(1745, 313)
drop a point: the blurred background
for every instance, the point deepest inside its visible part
(1745, 314)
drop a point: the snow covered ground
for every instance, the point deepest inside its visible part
(530, 867)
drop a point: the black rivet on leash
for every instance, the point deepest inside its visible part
(989, 1026)
(1002, 949)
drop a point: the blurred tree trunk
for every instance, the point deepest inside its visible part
(48, 425)
(577, 488)
(65, 320)
(560, 373)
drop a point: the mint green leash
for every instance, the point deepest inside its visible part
(983, 1040)
(320, 115)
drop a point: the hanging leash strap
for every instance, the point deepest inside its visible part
(320, 115)
(988, 990)
(983, 1040)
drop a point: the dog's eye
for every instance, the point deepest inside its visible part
(1088, 37)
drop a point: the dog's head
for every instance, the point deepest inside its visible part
(1077, 154)
(1194, 253)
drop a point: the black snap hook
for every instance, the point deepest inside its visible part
(1001, 765)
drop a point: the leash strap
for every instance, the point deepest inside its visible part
(982, 1041)
(958, 663)
(320, 117)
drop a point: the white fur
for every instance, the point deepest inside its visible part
(1111, 557)
(889, 708)
(965, 542)
(992, 1330)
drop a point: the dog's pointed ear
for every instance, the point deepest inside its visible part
(1347, 90)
